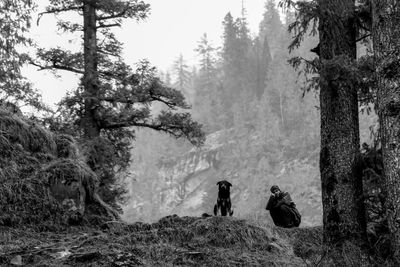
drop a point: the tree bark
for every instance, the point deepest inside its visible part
(343, 208)
(90, 77)
(386, 40)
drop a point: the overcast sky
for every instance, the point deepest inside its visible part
(173, 27)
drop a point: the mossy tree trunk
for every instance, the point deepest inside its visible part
(386, 38)
(89, 123)
(343, 208)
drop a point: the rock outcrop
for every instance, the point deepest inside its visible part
(186, 184)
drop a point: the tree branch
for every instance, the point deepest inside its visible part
(170, 129)
(363, 37)
(56, 66)
(108, 25)
(55, 10)
(170, 104)
(152, 97)
(114, 16)
(67, 68)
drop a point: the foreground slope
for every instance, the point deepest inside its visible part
(185, 241)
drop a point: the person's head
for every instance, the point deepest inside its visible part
(275, 189)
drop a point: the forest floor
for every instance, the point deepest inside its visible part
(172, 241)
(176, 241)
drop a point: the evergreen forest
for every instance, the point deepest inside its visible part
(123, 171)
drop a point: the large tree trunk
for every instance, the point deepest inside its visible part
(90, 77)
(386, 39)
(343, 208)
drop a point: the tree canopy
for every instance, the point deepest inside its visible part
(15, 17)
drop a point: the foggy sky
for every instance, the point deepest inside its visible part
(173, 27)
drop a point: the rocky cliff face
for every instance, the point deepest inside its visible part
(186, 185)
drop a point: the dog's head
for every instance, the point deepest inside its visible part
(224, 186)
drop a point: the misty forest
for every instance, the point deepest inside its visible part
(123, 171)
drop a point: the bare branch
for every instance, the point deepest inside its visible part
(363, 37)
(108, 25)
(56, 66)
(57, 10)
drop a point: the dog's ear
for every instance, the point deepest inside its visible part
(219, 183)
(229, 184)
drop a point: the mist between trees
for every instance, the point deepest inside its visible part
(262, 123)
(254, 119)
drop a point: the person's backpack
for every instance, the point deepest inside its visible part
(297, 215)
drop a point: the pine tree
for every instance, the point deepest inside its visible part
(271, 28)
(238, 87)
(260, 60)
(112, 98)
(207, 58)
(207, 99)
(341, 177)
(343, 215)
(182, 73)
(386, 40)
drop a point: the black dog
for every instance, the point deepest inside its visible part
(224, 205)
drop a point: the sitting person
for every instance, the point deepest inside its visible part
(282, 209)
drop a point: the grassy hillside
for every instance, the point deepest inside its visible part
(177, 241)
(44, 180)
(186, 241)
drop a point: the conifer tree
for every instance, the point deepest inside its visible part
(260, 60)
(344, 217)
(182, 73)
(341, 177)
(206, 99)
(207, 58)
(386, 40)
(112, 97)
(271, 28)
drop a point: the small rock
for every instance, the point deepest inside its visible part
(274, 247)
(17, 261)
(63, 254)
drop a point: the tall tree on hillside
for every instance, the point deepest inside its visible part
(112, 98)
(15, 21)
(236, 68)
(344, 217)
(229, 87)
(182, 73)
(271, 32)
(271, 28)
(207, 99)
(260, 60)
(229, 38)
(341, 178)
(386, 40)
(207, 58)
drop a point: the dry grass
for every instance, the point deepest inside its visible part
(30, 136)
(67, 171)
(32, 159)
(27, 202)
(186, 241)
(66, 146)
